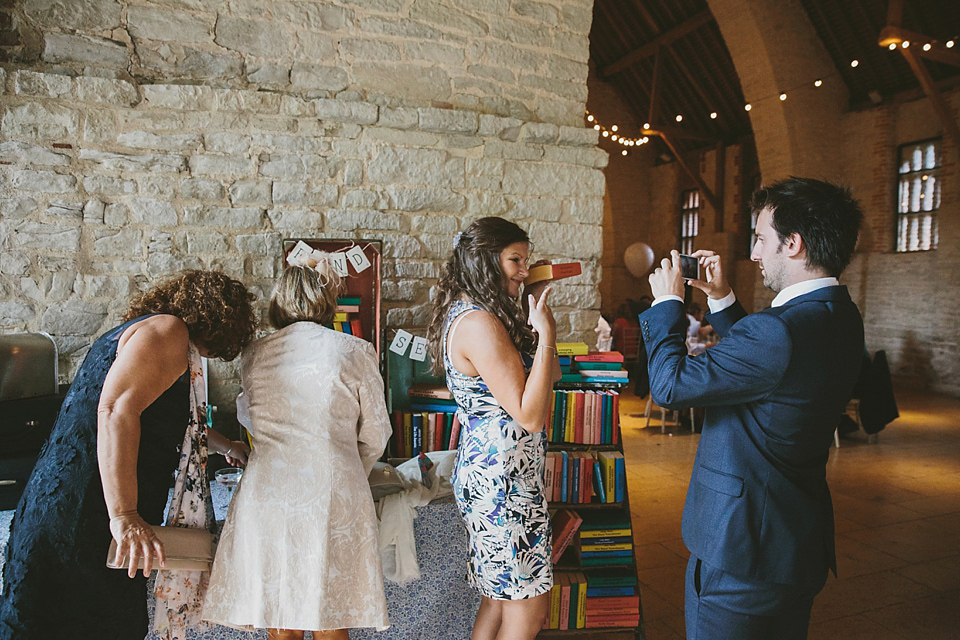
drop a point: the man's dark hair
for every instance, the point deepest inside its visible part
(826, 216)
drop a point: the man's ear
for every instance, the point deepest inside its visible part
(794, 245)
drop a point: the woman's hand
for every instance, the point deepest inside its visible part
(537, 288)
(237, 453)
(541, 317)
(135, 540)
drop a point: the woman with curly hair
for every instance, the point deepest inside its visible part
(500, 364)
(134, 412)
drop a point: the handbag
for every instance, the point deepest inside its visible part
(185, 548)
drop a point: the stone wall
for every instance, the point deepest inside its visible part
(139, 139)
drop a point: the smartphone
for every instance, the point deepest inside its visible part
(689, 267)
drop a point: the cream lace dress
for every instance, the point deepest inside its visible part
(299, 548)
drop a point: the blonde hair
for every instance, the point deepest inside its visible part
(305, 294)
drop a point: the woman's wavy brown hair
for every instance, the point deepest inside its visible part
(217, 309)
(474, 272)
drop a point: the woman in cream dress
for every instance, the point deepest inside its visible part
(299, 548)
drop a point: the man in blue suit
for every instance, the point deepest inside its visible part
(758, 518)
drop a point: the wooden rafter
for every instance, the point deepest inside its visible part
(651, 47)
(933, 93)
(704, 189)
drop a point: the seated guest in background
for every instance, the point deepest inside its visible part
(500, 362)
(299, 549)
(758, 519)
(105, 470)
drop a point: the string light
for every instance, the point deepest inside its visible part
(949, 44)
(817, 82)
(783, 96)
(905, 44)
(713, 115)
(619, 138)
(927, 47)
(892, 46)
(854, 63)
(679, 118)
(747, 107)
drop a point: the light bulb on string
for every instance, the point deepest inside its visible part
(747, 107)
(606, 134)
(927, 47)
(624, 152)
(646, 125)
(949, 44)
(590, 118)
(892, 46)
(713, 115)
(613, 137)
(817, 82)
(783, 96)
(613, 128)
(597, 127)
(905, 44)
(679, 118)
(854, 63)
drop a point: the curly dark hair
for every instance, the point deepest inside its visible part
(217, 309)
(474, 272)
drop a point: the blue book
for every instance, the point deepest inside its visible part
(605, 592)
(610, 418)
(565, 361)
(621, 475)
(563, 484)
(433, 407)
(575, 485)
(604, 417)
(417, 434)
(598, 482)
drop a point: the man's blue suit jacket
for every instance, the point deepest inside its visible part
(758, 505)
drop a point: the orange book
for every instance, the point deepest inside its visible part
(614, 604)
(356, 328)
(578, 417)
(553, 272)
(564, 524)
(617, 620)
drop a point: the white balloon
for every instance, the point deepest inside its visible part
(638, 259)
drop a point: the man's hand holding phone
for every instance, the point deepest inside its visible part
(714, 285)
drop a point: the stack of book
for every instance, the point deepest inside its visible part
(568, 601)
(584, 417)
(612, 599)
(602, 367)
(606, 539)
(345, 319)
(431, 424)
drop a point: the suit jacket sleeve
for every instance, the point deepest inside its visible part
(745, 365)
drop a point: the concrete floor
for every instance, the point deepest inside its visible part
(897, 506)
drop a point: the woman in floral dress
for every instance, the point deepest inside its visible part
(500, 364)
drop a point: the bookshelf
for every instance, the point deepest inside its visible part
(359, 302)
(596, 580)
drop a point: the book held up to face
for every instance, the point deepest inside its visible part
(553, 272)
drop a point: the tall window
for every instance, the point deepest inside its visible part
(919, 196)
(689, 219)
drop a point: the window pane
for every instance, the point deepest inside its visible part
(930, 156)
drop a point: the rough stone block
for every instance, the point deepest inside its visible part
(268, 74)
(200, 189)
(259, 244)
(41, 85)
(416, 166)
(486, 204)
(51, 237)
(357, 219)
(155, 23)
(108, 186)
(227, 142)
(424, 199)
(125, 243)
(116, 214)
(93, 211)
(583, 240)
(578, 136)
(179, 97)
(307, 76)
(594, 157)
(298, 166)
(403, 81)
(343, 111)
(435, 52)
(369, 49)
(250, 192)
(247, 101)
(14, 263)
(15, 152)
(528, 178)
(97, 52)
(177, 61)
(230, 218)
(106, 91)
(35, 120)
(498, 149)
(540, 133)
(200, 242)
(434, 224)
(43, 181)
(17, 207)
(158, 213)
(15, 314)
(211, 165)
(364, 199)
(585, 210)
(74, 317)
(89, 15)
(132, 162)
(448, 121)
(302, 220)
(65, 210)
(163, 142)
(399, 117)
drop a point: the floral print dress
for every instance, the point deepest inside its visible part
(498, 486)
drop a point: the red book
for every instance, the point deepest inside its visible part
(356, 328)
(600, 356)
(619, 620)
(621, 604)
(598, 418)
(399, 446)
(454, 432)
(564, 579)
(616, 418)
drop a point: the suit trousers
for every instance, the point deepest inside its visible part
(719, 605)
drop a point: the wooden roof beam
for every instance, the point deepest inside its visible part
(933, 93)
(704, 189)
(651, 47)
